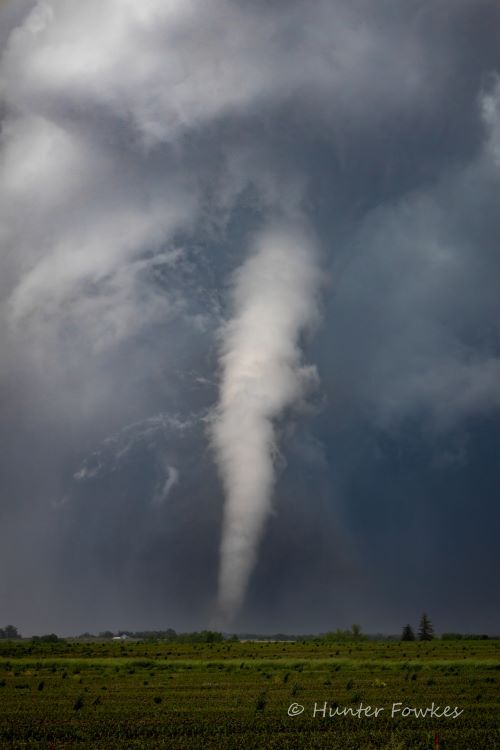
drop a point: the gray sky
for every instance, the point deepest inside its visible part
(249, 314)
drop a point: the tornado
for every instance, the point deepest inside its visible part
(274, 301)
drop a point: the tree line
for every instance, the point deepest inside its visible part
(203, 636)
(424, 632)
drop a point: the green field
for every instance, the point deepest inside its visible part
(109, 696)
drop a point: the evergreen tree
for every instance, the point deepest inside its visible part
(425, 629)
(408, 634)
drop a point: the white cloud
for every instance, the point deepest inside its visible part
(164, 488)
(490, 106)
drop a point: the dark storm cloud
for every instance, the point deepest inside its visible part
(145, 147)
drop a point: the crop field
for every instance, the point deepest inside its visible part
(112, 696)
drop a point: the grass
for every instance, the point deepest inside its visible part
(105, 696)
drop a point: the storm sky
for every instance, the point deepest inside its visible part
(249, 314)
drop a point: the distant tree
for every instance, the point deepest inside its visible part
(476, 637)
(408, 634)
(10, 632)
(356, 631)
(48, 638)
(106, 634)
(425, 629)
(338, 635)
(209, 636)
